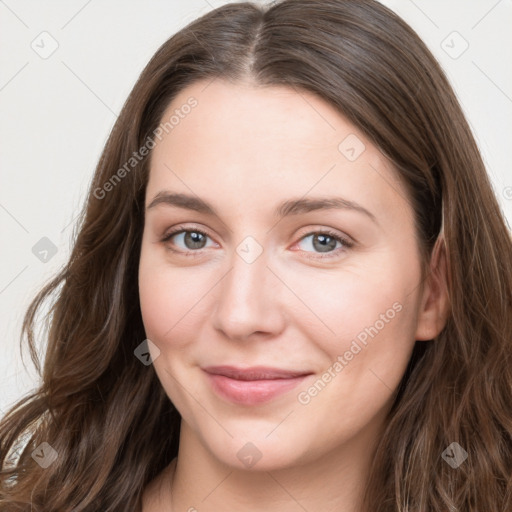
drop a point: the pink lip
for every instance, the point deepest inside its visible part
(253, 385)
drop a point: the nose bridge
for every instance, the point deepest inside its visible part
(246, 300)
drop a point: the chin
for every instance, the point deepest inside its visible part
(254, 449)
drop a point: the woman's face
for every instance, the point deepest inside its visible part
(309, 266)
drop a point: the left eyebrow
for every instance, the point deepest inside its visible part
(284, 209)
(305, 205)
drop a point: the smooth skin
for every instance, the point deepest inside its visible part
(245, 149)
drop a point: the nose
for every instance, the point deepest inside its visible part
(248, 300)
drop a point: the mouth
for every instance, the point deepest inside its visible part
(251, 386)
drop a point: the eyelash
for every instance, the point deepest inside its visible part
(192, 254)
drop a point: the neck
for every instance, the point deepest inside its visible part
(332, 481)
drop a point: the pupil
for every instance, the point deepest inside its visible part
(195, 239)
(324, 239)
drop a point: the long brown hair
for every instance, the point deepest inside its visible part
(106, 415)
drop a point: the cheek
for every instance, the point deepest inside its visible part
(166, 304)
(371, 314)
(157, 294)
(172, 299)
(366, 360)
(360, 301)
(154, 302)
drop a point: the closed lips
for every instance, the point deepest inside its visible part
(254, 373)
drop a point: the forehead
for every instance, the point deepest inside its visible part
(242, 145)
(242, 115)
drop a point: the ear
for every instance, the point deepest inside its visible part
(435, 301)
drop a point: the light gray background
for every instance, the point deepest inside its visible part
(57, 112)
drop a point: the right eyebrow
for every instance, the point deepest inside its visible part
(182, 201)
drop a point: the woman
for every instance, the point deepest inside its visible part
(290, 290)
